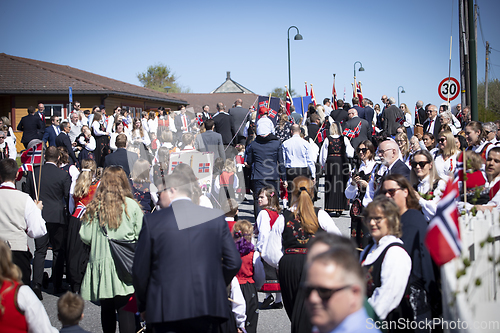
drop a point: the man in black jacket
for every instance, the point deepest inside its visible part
(121, 157)
(63, 140)
(54, 193)
(31, 126)
(393, 118)
(239, 116)
(185, 258)
(339, 115)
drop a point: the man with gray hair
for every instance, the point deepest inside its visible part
(393, 116)
(388, 152)
(433, 122)
(421, 115)
(446, 119)
(490, 128)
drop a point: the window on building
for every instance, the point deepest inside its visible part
(53, 110)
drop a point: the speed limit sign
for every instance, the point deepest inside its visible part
(449, 86)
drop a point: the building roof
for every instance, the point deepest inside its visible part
(27, 76)
(198, 100)
(231, 86)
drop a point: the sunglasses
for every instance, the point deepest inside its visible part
(391, 191)
(442, 140)
(3, 137)
(420, 164)
(324, 293)
(362, 150)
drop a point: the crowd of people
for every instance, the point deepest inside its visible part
(107, 178)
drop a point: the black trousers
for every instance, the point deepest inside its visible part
(23, 260)
(56, 235)
(109, 308)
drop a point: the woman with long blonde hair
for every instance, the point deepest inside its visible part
(78, 252)
(292, 231)
(446, 158)
(114, 212)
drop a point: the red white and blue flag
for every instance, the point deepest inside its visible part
(352, 133)
(312, 96)
(33, 155)
(199, 120)
(307, 94)
(443, 234)
(400, 120)
(80, 210)
(357, 92)
(23, 168)
(289, 102)
(203, 167)
(334, 94)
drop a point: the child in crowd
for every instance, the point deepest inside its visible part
(269, 202)
(70, 312)
(86, 143)
(155, 143)
(230, 208)
(239, 160)
(141, 185)
(226, 184)
(251, 274)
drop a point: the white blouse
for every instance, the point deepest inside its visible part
(112, 141)
(136, 137)
(351, 190)
(271, 251)
(90, 146)
(34, 312)
(96, 126)
(429, 206)
(396, 269)
(446, 168)
(264, 227)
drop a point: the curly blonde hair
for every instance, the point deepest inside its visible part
(109, 202)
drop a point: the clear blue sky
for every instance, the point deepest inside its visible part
(399, 42)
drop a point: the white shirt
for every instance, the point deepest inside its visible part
(34, 312)
(446, 168)
(112, 141)
(264, 227)
(396, 269)
(351, 190)
(429, 206)
(296, 154)
(96, 126)
(12, 147)
(271, 251)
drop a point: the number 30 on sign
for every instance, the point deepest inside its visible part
(449, 86)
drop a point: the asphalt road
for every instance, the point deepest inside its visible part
(275, 321)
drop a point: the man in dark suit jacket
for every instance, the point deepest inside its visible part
(54, 193)
(206, 113)
(422, 115)
(31, 126)
(185, 259)
(63, 140)
(122, 157)
(433, 122)
(339, 115)
(365, 130)
(210, 141)
(239, 116)
(388, 151)
(392, 113)
(52, 131)
(223, 124)
(355, 105)
(369, 112)
(182, 123)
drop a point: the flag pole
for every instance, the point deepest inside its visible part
(334, 97)
(34, 184)
(269, 102)
(40, 173)
(464, 169)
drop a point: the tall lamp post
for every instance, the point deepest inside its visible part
(298, 36)
(361, 69)
(402, 91)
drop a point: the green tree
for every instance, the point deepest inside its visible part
(159, 76)
(281, 93)
(493, 111)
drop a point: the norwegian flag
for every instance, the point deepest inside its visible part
(357, 129)
(289, 102)
(203, 167)
(80, 210)
(356, 92)
(32, 155)
(443, 234)
(400, 120)
(173, 165)
(349, 133)
(199, 120)
(312, 96)
(272, 113)
(334, 93)
(307, 94)
(23, 168)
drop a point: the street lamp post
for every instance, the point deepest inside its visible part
(402, 91)
(361, 69)
(298, 36)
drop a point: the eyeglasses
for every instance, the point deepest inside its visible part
(391, 191)
(442, 140)
(362, 150)
(382, 151)
(324, 293)
(420, 164)
(428, 111)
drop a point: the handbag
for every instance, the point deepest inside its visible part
(356, 208)
(123, 252)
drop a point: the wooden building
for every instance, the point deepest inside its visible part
(27, 82)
